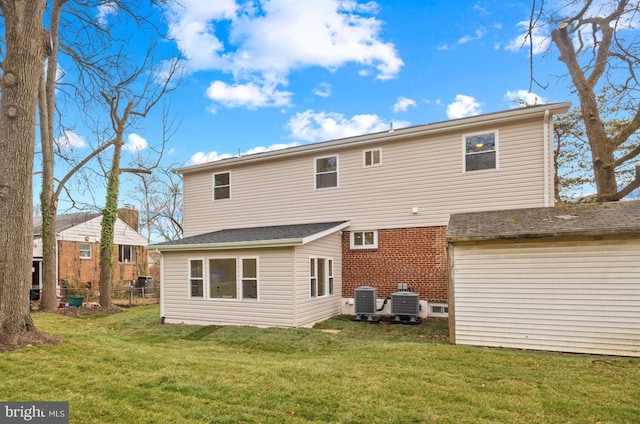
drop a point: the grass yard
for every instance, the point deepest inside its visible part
(127, 368)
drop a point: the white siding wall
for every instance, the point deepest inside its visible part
(123, 234)
(312, 310)
(274, 307)
(581, 296)
(426, 173)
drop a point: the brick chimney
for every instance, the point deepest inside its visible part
(129, 214)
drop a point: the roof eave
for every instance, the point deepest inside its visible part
(429, 129)
(228, 246)
(627, 232)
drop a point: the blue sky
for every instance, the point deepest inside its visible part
(263, 75)
(292, 72)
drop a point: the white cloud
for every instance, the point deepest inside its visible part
(539, 41)
(468, 38)
(277, 146)
(261, 43)
(70, 140)
(104, 10)
(250, 95)
(135, 144)
(323, 90)
(463, 106)
(316, 126)
(201, 157)
(524, 98)
(403, 103)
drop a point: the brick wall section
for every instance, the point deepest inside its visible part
(416, 256)
(85, 273)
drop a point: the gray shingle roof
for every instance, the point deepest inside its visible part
(613, 218)
(294, 233)
(64, 222)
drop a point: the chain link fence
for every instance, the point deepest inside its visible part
(135, 294)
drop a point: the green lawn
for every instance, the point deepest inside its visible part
(127, 368)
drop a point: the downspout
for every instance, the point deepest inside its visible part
(161, 286)
(547, 168)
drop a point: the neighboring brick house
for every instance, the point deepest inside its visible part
(78, 254)
(283, 238)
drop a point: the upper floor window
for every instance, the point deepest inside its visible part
(85, 250)
(364, 239)
(221, 186)
(480, 151)
(327, 172)
(126, 254)
(372, 157)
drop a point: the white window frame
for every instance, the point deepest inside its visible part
(209, 283)
(316, 173)
(190, 278)
(85, 251)
(242, 278)
(440, 314)
(239, 276)
(371, 152)
(133, 254)
(373, 245)
(228, 186)
(495, 151)
(315, 278)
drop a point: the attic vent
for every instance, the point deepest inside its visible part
(365, 303)
(405, 307)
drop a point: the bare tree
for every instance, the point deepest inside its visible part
(26, 47)
(159, 194)
(125, 106)
(90, 47)
(598, 45)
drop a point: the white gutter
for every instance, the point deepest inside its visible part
(230, 245)
(547, 158)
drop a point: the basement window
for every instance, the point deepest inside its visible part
(438, 309)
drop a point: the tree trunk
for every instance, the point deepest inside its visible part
(48, 198)
(109, 217)
(602, 148)
(22, 66)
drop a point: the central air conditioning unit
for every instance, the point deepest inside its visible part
(365, 299)
(405, 307)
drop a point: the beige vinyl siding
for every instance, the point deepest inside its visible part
(312, 310)
(273, 308)
(426, 173)
(574, 296)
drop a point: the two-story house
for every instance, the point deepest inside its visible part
(78, 250)
(283, 238)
